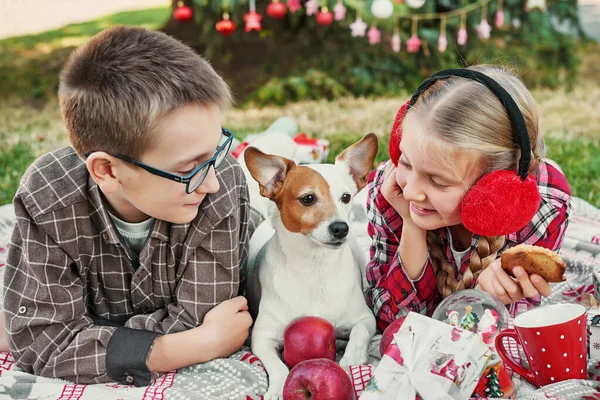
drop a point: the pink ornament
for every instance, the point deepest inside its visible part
(294, 5)
(483, 30)
(442, 43)
(252, 21)
(340, 11)
(413, 44)
(358, 27)
(312, 6)
(461, 37)
(499, 19)
(396, 42)
(374, 35)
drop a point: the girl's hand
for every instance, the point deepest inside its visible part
(392, 192)
(495, 281)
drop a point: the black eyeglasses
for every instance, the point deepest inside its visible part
(194, 179)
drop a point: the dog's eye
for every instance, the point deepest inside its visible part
(346, 198)
(307, 199)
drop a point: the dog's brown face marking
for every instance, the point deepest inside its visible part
(300, 212)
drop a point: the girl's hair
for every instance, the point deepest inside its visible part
(467, 117)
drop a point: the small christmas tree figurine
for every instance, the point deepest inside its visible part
(469, 320)
(493, 385)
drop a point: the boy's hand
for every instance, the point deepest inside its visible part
(495, 281)
(229, 325)
(392, 192)
(223, 332)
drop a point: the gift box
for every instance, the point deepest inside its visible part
(310, 151)
(594, 333)
(596, 278)
(429, 359)
(592, 305)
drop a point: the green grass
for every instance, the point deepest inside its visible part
(14, 161)
(580, 161)
(30, 65)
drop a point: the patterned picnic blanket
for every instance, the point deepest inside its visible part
(242, 376)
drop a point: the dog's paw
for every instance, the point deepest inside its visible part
(275, 392)
(273, 396)
(276, 382)
(354, 356)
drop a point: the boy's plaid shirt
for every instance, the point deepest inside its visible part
(82, 306)
(390, 293)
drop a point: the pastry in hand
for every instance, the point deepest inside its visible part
(534, 260)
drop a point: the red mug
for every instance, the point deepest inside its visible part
(554, 339)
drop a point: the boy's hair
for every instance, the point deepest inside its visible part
(466, 116)
(115, 88)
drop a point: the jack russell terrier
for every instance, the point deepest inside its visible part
(301, 261)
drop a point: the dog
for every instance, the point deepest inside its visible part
(301, 260)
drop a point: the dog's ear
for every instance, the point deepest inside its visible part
(359, 157)
(268, 170)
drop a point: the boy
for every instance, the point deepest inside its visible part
(128, 246)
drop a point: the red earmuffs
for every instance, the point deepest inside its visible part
(396, 135)
(502, 201)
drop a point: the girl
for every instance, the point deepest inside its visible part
(455, 132)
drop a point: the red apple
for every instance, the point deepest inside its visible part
(306, 338)
(319, 379)
(388, 334)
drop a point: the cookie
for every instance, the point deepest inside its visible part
(535, 260)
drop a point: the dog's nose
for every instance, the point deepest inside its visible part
(339, 230)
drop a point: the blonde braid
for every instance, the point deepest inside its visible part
(445, 276)
(486, 252)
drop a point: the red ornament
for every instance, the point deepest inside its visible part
(324, 17)
(276, 9)
(225, 27)
(252, 21)
(182, 13)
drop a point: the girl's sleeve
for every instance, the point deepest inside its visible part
(390, 292)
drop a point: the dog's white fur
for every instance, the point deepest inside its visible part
(294, 274)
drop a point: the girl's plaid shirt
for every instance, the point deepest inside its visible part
(390, 293)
